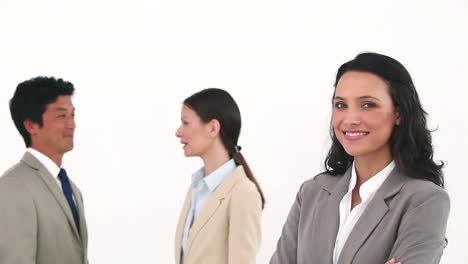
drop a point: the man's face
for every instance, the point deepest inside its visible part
(55, 137)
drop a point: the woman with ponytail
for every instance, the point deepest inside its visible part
(221, 217)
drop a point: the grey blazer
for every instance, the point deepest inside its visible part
(405, 219)
(36, 223)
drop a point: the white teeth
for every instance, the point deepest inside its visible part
(355, 134)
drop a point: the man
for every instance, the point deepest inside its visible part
(41, 211)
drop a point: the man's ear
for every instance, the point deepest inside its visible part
(31, 126)
(215, 127)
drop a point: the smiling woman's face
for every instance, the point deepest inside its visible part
(363, 114)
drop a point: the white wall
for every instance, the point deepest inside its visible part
(133, 62)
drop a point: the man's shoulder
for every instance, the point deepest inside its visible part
(17, 170)
(18, 176)
(14, 182)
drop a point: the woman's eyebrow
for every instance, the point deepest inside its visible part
(368, 97)
(360, 97)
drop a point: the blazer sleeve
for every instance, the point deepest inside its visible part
(286, 249)
(245, 216)
(18, 225)
(421, 235)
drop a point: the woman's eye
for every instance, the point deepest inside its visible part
(369, 105)
(340, 105)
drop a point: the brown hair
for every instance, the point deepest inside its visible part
(213, 103)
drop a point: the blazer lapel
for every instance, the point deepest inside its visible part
(53, 187)
(213, 204)
(326, 218)
(80, 208)
(181, 224)
(371, 217)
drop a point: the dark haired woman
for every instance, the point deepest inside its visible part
(381, 197)
(221, 217)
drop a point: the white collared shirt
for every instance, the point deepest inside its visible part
(51, 167)
(348, 217)
(202, 189)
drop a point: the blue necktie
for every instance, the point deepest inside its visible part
(68, 194)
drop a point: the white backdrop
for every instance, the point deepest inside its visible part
(133, 62)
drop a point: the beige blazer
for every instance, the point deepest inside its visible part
(36, 223)
(406, 219)
(227, 230)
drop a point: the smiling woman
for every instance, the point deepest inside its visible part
(410, 140)
(381, 198)
(364, 117)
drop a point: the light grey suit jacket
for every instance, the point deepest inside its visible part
(36, 223)
(405, 219)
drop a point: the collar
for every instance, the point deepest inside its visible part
(46, 161)
(369, 187)
(214, 179)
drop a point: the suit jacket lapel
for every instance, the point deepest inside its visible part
(372, 215)
(327, 217)
(181, 224)
(80, 208)
(53, 187)
(213, 204)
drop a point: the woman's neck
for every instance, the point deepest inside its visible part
(368, 166)
(214, 159)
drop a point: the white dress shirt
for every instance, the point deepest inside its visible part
(348, 217)
(49, 165)
(202, 189)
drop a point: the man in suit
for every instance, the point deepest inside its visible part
(41, 211)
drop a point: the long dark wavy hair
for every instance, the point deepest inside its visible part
(214, 103)
(410, 141)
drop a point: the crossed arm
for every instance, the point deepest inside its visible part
(420, 237)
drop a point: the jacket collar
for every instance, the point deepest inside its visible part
(372, 215)
(53, 187)
(210, 208)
